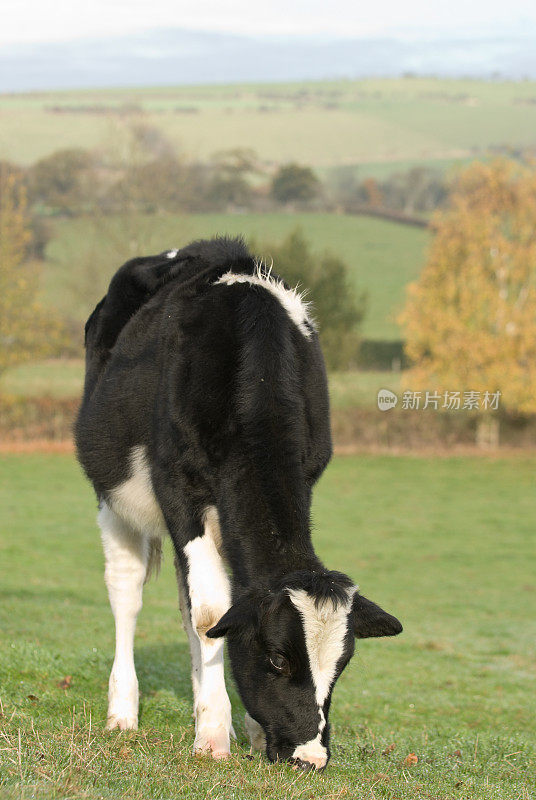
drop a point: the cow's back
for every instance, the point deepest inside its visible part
(203, 369)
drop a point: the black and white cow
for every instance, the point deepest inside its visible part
(205, 416)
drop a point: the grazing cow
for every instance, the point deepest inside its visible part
(205, 415)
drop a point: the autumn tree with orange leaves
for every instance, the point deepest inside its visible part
(26, 330)
(470, 319)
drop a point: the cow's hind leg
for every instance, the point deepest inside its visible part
(126, 554)
(204, 595)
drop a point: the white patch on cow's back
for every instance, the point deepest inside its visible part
(325, 628)
(134, 499)
(171, 253)
(291, 300)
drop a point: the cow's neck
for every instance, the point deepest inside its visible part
(266, 528)
(268, 564)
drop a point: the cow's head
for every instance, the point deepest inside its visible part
(288, 645)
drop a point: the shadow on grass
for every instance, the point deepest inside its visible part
(164, 667)
(48, 594)
(165, 681)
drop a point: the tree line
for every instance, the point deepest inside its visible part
(29, 331)
(469, 320)
(141, 171)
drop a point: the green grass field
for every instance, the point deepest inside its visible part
(447, 545)
(320, 123)
(382, 256)
(54, 377)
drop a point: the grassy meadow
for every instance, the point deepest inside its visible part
(326, 123)
(447, 545)
(59, 377)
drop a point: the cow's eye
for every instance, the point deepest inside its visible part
(280, 664)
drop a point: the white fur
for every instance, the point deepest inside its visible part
(126, 554)
(325, 629)
(291, 300)
(195, 649)
(132, 527)
(134, 499)
(171, 253)
(210, 597)
(313, 751)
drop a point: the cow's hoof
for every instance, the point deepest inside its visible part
(115, 722)
(213, 743)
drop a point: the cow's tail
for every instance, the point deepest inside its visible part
(155, 558)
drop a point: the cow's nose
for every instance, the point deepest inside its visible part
(317, 763)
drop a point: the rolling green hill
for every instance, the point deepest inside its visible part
(383, 256)
(370, 122)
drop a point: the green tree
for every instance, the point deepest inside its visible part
(294, 183)
(64, 181)
(337, 310)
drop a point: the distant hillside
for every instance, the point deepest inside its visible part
(164, 57)
(379, 125)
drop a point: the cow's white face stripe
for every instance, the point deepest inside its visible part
(325, 630)
(291, 300)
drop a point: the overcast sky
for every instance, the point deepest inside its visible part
(53, 20)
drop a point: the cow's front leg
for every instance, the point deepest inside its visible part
(206, 596)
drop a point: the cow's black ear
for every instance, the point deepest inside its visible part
(371, 620)
(238, 616)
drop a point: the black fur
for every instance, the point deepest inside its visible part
(230, 400)
(371, 620)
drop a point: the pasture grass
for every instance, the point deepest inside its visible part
(60, 377)
(322, 123)
(447, 545)
(357, 389)
(64, 378)
(382, 256)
